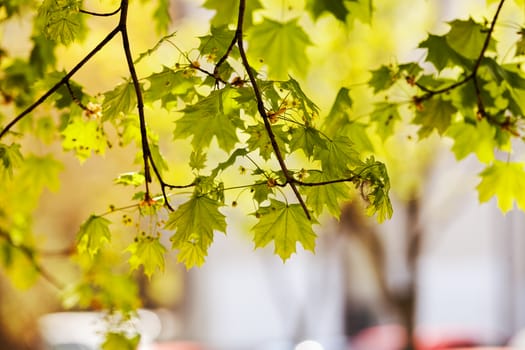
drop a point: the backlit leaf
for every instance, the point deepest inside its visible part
(337, 156)
(385, 115)
(506, 181)
(339, 113)
(10, 158)
(330, 196)
(148, 252)
(285, 225)
(84, 137)
(93, 235)
(61, 19)
(43, 172)
(383, 78)
(226, 11)
(477, 138)
(194, 222)
(281, 45)
(439, 53)
(467, 38)
(120, 341)
(434, 114)
(213, 116)
(119, 101)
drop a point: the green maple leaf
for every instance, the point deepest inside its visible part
(337, 156)
(43, 172)
(120, 341)
(239, 152)
(506, 181)
(383, 78)
(339, 113)
(191, 254)
(436, 113)
(93, 234)
(10, 158)
(120, 100)
(162, 16)
(467, 38)
(304, 104)
(330, 196)
(374, 184)
(335, 7)
(285, 225)
(130, 179)
(261, 191)
(194, 222)
(259, 139)
(19, 268)
(440, 54)
(227, 11)
(84, 137)
(216, 115)
(280, 45)
(148, 252)
(217, 42)
(61, 19)
(166, 86)
(385, 115)
(477, 138)
(198, 159)
(306, 139)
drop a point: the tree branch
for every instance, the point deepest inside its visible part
(138, 93)
(262, 111)
(429, 93)
(97, 14)
(55, 87)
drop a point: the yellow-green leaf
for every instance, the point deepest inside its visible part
(506, 181)
(93, 234)
(478, 139)
(120, 341)
(285, 225)
(194, 222)
(280, 45)
(148, 252)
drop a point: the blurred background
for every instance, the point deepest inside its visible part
(445, 268)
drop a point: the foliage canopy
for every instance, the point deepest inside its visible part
(238, 100)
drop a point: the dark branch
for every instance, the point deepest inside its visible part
(138, 92)
(429, 93)
(55, 87)
(106, 14)
(260, 108)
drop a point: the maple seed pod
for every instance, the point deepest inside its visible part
(271, 183)
(234, 204)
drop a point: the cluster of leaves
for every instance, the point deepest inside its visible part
(261, 121)
(466, 92)
(242, 106)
